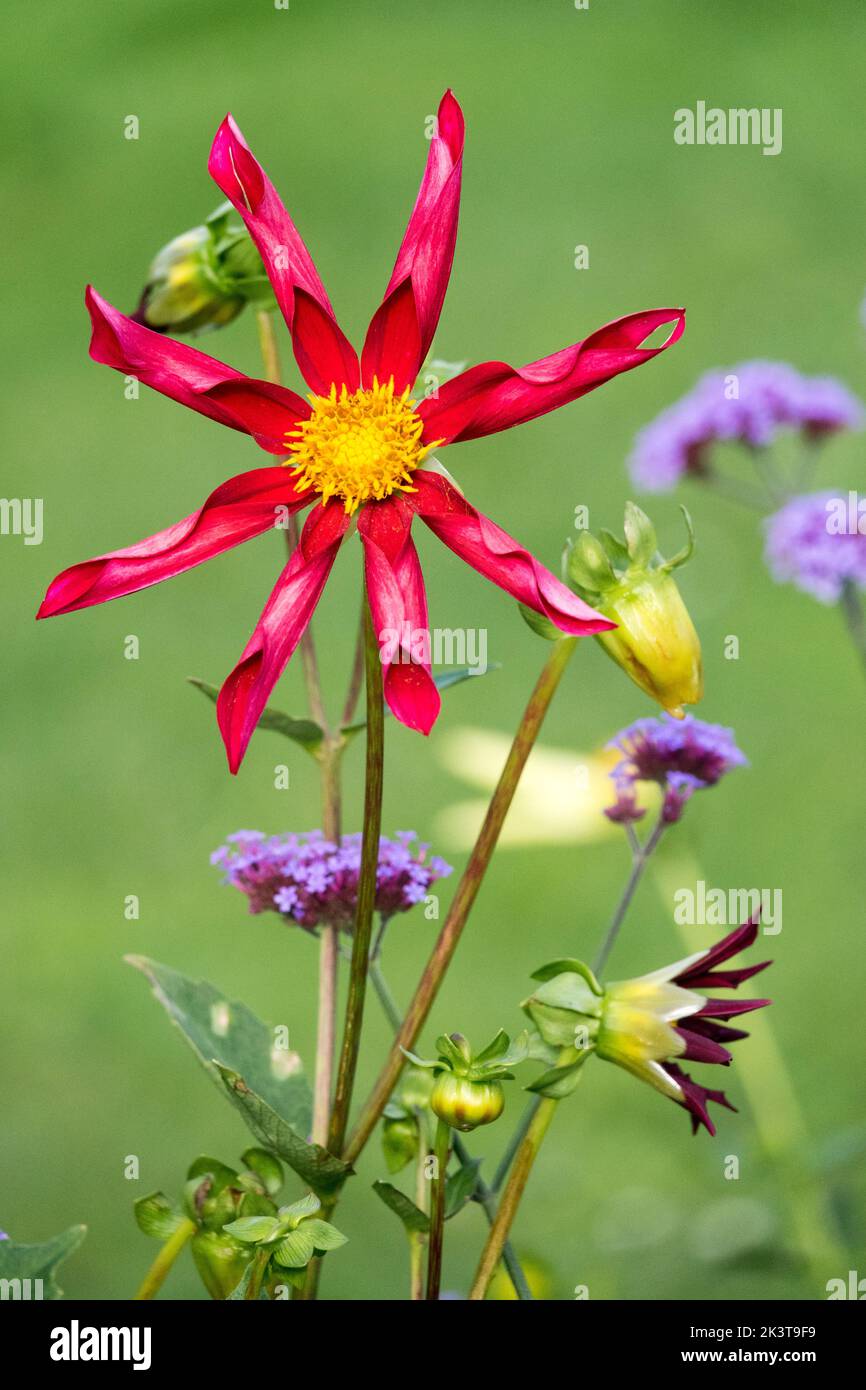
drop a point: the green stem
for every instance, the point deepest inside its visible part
(467, 891)
(517, 1180)
(484, 1195)
(155, 1276)
(640, 857)
(366, 890)
(437, 1214)
(852, 611)
(254, 1287)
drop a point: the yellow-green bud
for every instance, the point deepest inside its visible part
(465, 1104)
(220, 1261)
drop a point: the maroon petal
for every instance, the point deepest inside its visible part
(700, 1048)
(700, 975)
(696, 1098)
(730, 1008)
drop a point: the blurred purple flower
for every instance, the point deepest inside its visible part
(804, 546)
(770, 396)
(681, 755)
(310, 880)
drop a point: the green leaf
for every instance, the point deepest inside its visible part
(324, 1235)
(319, 1169)
(413, 1218)
(460, 1186)
(240, 1291)
(222, 1032)
(295, 1249)
(253, 1230)
(266, 1167)
(39, 1262)
(296, 1211)
(682, 556)
(156, 1216)
(559, 1082)
(305, 732)
(541, 626)
(568, 965)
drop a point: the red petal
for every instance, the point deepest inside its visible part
(398, 604)
(262, 409)
(494, 396)
(702, 975)
(402, 329)
(242, 507)
(323, 352)
(279, 630)
(500, 558)
(696, 1098)
(175, 369)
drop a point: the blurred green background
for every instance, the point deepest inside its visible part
(114, 780)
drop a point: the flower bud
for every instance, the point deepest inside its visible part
(399, 1137)
(655, 641)
(203, 278)
(465, 1104)
(220, 1261)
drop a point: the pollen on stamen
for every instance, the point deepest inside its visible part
(360, 446)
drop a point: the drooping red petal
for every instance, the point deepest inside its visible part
(496, 555)
(494, 396)
(700, 1048)
(402, 328)
(696, 1098)
(702, 974)
(280, 628)
(178, 370)
(398, 604)
(323, 352)
(244, 506)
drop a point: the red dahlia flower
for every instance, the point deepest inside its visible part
(357, 444)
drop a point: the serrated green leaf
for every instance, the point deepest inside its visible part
(460, 1186)
(227, 1032)
(324, 1236)
(305, 732)
(253, 1230)
(155, 1215)
(295, 1249)
(34, 1266)
(319, 1169)
(413, 1218)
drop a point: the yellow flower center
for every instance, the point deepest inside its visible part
(359, 445)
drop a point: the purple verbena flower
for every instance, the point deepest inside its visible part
(681, 755)
(811, 543)
(749, 405)
(310, 880)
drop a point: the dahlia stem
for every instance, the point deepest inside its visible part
(437, 1214)
(366, 889)
(852, 611)
(329, 761)
(641, 854)
(484, 1195)
(155, 1277)
(467, 891)
(517, 1180)
(357, 675)
(418, 1239)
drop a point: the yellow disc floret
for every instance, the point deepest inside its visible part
(359, 445)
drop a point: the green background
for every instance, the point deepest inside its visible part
(114, 779)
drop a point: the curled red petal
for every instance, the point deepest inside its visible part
(243, 507)
(323, 352)
(174, 369)
(398, 605)
(402, 328)
(700, 974)
(500, 558)
(696, 1098)
(494, 396)
(279, 630)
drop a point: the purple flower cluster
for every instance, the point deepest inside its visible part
(310, 880)
(749, 405)
(681, 755)
(805, 546)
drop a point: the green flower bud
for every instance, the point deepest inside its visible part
(220, 1261)
(655, 641)
(203, 278)
(465, 1104)
(399, 1138)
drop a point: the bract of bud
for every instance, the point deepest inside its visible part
(467, 1091)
